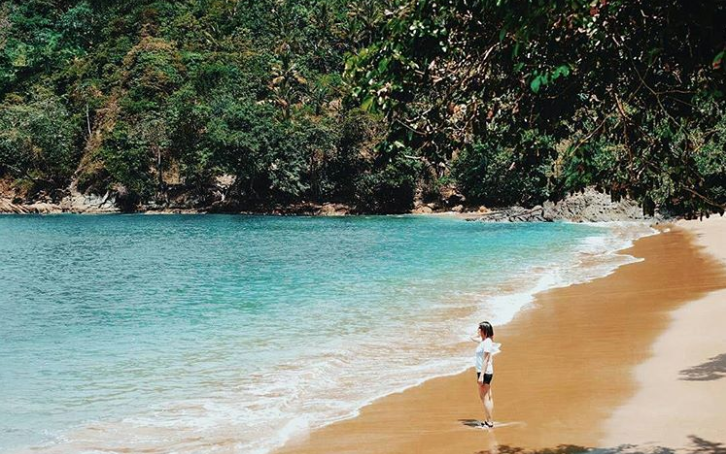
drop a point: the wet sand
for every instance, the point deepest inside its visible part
(568, 363)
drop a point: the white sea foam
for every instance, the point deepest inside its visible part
(595, 257)
(278, 405)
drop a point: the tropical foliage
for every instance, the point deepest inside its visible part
(527, 100)
(150, 98)
(375, 104)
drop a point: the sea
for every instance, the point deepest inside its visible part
(237, 334)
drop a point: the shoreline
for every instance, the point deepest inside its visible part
(530, 293)
(431, 417)
(586, 206)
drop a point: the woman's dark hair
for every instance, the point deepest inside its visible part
(487, 328)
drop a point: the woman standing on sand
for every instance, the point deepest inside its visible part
(484, 361)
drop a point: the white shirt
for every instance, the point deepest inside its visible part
(485, 346)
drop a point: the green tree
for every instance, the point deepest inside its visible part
(37, 139)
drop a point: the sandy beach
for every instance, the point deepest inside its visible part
(636, 357)
(681, 393)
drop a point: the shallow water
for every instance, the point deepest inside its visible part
(233, 333)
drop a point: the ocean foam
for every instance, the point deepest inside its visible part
(595, 257)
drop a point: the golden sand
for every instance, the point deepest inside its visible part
(567, 365)
(681, 398)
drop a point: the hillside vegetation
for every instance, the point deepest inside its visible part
(254, 105)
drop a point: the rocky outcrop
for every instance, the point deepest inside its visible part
(588, 206)
(76, 202)
(515, 214)
(333, 209)
(8, 207)
(423, 209)
(594, 206)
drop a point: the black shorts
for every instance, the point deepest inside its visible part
(487, 378)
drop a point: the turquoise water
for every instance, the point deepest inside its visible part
(234, 333)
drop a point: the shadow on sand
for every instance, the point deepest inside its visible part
(471, 422)
(713, 369)
(698, 446)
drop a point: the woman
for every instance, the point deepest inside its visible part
(484, 361)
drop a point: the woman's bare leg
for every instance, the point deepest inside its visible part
(488, 403)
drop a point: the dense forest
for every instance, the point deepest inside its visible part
(253, 105)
